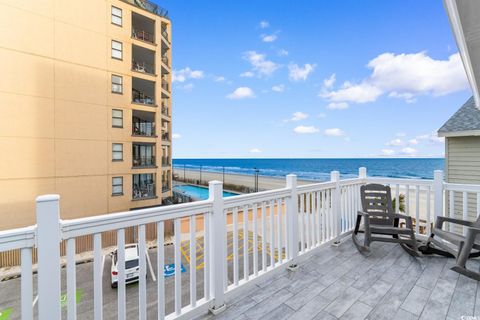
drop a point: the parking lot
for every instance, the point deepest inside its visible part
(10, 290)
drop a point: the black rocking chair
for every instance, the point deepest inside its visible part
(381, 223)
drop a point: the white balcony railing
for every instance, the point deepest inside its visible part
(286, 225)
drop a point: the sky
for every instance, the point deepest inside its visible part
(312, 79)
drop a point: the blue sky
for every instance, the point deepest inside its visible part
(313, 79)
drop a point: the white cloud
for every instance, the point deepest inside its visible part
(268, 37)
(329, 82)
(388, 152)
(298, 73)
(187, 86)
(360, 93)
(306, 129)
(334, 132)
(247, 74)
(176, 135)
(404, 76)
(260, 63)
(413, 141)
(264, 24)
(185, 74)
(337, 105)
(241, 93)
(400, 134)
(219, 79)
(278, 88)
(255, 150)
(431, 137)
(409, 151)
(321, 115)
(297, 116)
(395, 143)
(282, 52)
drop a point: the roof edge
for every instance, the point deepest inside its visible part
(466, 133)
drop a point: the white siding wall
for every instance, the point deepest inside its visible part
(462, 165)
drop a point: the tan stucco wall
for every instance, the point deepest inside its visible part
(56, 106)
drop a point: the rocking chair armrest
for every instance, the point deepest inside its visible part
(441, 220)
(389, 215)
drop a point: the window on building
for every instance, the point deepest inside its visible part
(117, 186)
(117, 16)
(117, 84)
(117, 50)
(117, 152)
(117, 118)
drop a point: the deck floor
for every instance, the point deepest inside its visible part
(340, 283)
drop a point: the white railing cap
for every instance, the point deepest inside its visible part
(48, 198)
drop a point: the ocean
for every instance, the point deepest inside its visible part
(319, 169)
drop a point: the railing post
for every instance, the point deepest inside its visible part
(362, 173)
(438, 189)
(336, 208)
(217, 240)
(48, 249)
(292, 218)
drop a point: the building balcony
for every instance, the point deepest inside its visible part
(166, 61)
(165, 35)
(143, 60)
(143, 123)
(143, 28)
(165, 136)
(165, 85)
(307, 228)
(166, 162)
(143, 186)
(165, 111)
(143, 162)
(143, 91)
(150, 7)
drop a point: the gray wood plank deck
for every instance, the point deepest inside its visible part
(340, 283)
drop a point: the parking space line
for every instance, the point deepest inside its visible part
(152, 273)
(35, 301)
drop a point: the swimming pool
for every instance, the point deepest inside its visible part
(200, 193)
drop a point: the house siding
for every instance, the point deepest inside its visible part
(462, 165)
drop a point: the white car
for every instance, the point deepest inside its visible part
(132, 271)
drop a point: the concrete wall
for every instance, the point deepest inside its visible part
(56, 107)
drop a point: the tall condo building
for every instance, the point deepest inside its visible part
(85, 106)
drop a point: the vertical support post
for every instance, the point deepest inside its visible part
(48, 244)
(217, 240)
(362, 173)
(292, 221)
(438, 189)
(336, 207)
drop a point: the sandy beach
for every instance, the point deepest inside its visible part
(269, 183)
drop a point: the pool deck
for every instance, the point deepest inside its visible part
(341, 283)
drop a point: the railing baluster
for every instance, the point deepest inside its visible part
(246, 270)
(318, 219)
(206, 255)
(160, 270)
(235, 246)
(285, 229)
(407, 200)
(324, 215)
(142, 288)
(451, 212)
(122, 314)
(302, 224)
(178, 271)
(272, 236)
(279, 230)
(264, 237)
(27, 284)
(255, 239)
(397, 197)
(429, 191)
(307, 221)
(71, 280)
(331, 230)
(225, 251)
(465, 210)
(193, 262)
(478, 205)
(417, 209)
(97, 276)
